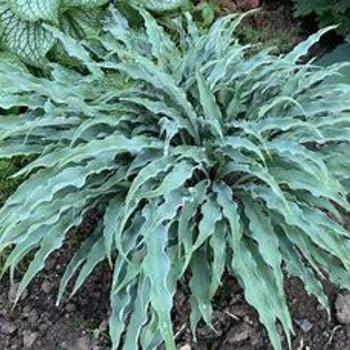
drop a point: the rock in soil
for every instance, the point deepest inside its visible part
(46, 287)
(305, 325)
(33, 318)
(29, 338)
(239, 334)
(185, 347)
(70, 307)
(83, 343)
(8, 328)
(103, 327)
(342, 308)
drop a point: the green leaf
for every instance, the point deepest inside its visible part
(152, 170)
(340, 54)
(33, 10)
(96, 255)
(303, 48)
(120, 303)
(262, 232)
(230, 212)
(156, 267)
(53, 241)
(74, 49)
(163, 48)
(186, 224)
(166, 5)
(84, 3)
(30, 41)
(175, 179)
(251, 271)
(211, 215)
(200, 288)
(219, 250)
(74, 264)
(82, 23)
(210, 108)
(139, 316)
(111, 224)
(296, 267)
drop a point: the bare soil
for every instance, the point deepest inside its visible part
(81, 324)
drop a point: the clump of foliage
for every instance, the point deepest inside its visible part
(327, 12)
(203, 158)
(340, 54)
(205, 12)
(24, 31)
(270, 29)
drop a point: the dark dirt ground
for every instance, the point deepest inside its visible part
(36, 323)
(81, 323)
(238, 327)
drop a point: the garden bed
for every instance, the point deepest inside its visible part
(82, 323)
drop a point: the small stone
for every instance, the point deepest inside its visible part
(239, 333)
(70, 307)
(103, 326)
(185, 347)
(83, 343)
(43, 328)
(8, 328)
(50, 264)
(26, 310)
(342, 308)
(29, 338)
(46, 287)
(3, 311)
(33, 317)
(247, 319)
(305, 325)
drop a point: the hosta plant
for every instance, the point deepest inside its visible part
(204, 159)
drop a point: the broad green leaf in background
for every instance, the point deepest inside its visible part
(340, 54)
(87, 3)
(22, 30)
(33, 10)
(161, 6)
(29, 40)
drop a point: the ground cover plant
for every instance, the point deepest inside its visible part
(202, 157)
(24, 32)
(23, 23)
(327, 12)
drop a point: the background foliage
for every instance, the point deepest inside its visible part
(327, 12)
(23, 25)
(24, 31)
